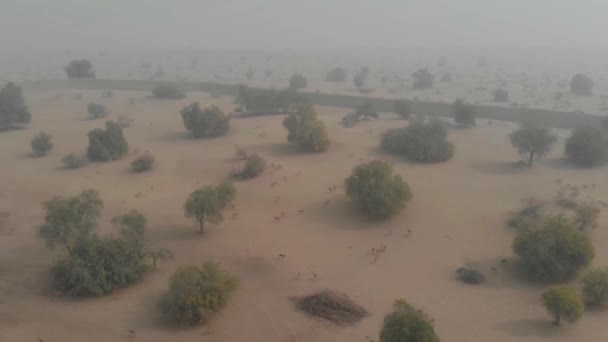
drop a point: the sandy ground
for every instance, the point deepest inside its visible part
(457, 218)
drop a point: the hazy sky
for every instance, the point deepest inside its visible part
(272, 24)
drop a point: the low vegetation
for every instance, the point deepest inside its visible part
(42, 144)
(376, 191)
(142, 163)
(464, 113)
(587, 146)
(206, 204)
(406, 323)
(80, 68)
(196, 294)
(533, 141)
(501, 95)
(423, 79)
(581, 85)
(253, 167)
(595, 287)
(270, 101)
(298, 82)
(74, 161)
(419, 142)
(333, 306)
(563, 303)
(168, 91)
(97, 110)
(13, 111)
(107, 145)
(205, 123)
(402, 108)
(469, 275)
(306, 132)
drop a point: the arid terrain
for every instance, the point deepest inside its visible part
(457, 217)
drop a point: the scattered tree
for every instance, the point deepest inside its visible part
(403, 108)
(423, 79)
(205, 204)
(595, 287)
(374, 188)
(563, 302)
(501, 95)
(197, 293)
(80, 68)
(419, 142)
(41, 144)
(254, 166)
(337, 75)
(464, 113)
(533, 140)
(73, 161)
(553, 250)
(97, 110)
(298, 82)
(587, 146)
(142, 163)
(168, 91)
(306, 132)
(406, 323)
(207, 123)
(107, 145)
(13, 110)
(581, 85)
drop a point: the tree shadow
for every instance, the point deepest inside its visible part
(529, 327)
(339, 211)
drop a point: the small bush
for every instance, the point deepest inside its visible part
(586, 216)
(378, 192)
(469, 275)
(581, 85)
(423, 79)
(553, 250)
(207, 123)
(142, 163)
(306, 132)
(254, 165)
(107, 145)
(595, 287)
(350, 119)
(333, 306)
(403, 109)
(587, 146)
(501, 95)
(97, 110)
(406, 323)
(419, 142)
(197, 293)
(464, 113)
(298, 82)
(563, 303)
(168, 91)
(41, 144)
(80, 68)
(73, 161)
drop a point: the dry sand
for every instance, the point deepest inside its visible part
(456, 217)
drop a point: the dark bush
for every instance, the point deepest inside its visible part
(298, 82)
(423, 79)
(464, 113)
(142, 163)
(97, 110)
(533, 141)
(42, 143)
(581, 85)
(13, 110)
(406, 323)
(73, 161)
(469, 275)
(595, 287)
(270, 101)
(197, 293)
(374, 188)
(207, 123)
(107, 145)
(402, 108)
(419, 142)
(337, 75)
(587, 146)
(552, 250)
(80, 68)
(306, 132)
(168, 91)
(501, 95)
(254, 165)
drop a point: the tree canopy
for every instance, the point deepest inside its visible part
(407, 324)
(107, 145)
(464, 113)
(270, 101)
(206, 203)
(587, 146)
(402, 108)
(306, 132)
(533, 141)
(423, 79)
(419, 142)
(13, 110)
(298, 82)
(207, 123)
(80, 68)
(581, 85)
(41, 144)
(563, 303)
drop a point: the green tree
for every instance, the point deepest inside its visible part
(97, 110)
(306, 132)
(378, 192)
(402, 108)
(80, 68)
(298, 82)
(41, 144)
(107, 145)
(563, 302)
(406, 323)
(533, 140)
(581, 85)
(587, 146)
(464, 113)
(337, 75)
(419, 142)
(207, 123)
(13, 110)
(197, 293)
(552, 250)
(206, 204)
(70, 218)
(595, 287)
(161, 254)
(423, 79)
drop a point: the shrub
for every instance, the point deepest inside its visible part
(501, 95)
(306, 132)
(337, 75)
(142, 163)
(206, 204)
(406, 323)
(107, 145)
(168, 91)
(529, 215)
(464, 113)
(80, 68)
(333, 306)
(254, 165)
(124, 121)
(196, 293)
(73, 161)
(581, 85)
(297, 82)
(403, 109)
(207, 123)
(469, 275)
(350, 119)
(41, 144)
(366, 111)
(419, 142)
(423, 79)
(595, 287)
(587, 146)
(586, 216)
(533, 141)
(378, 192)
(270, 101)
(552, 250)
(563, 302)
(96, 110)
(13, 110)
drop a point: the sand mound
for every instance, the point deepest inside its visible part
(333, 306)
